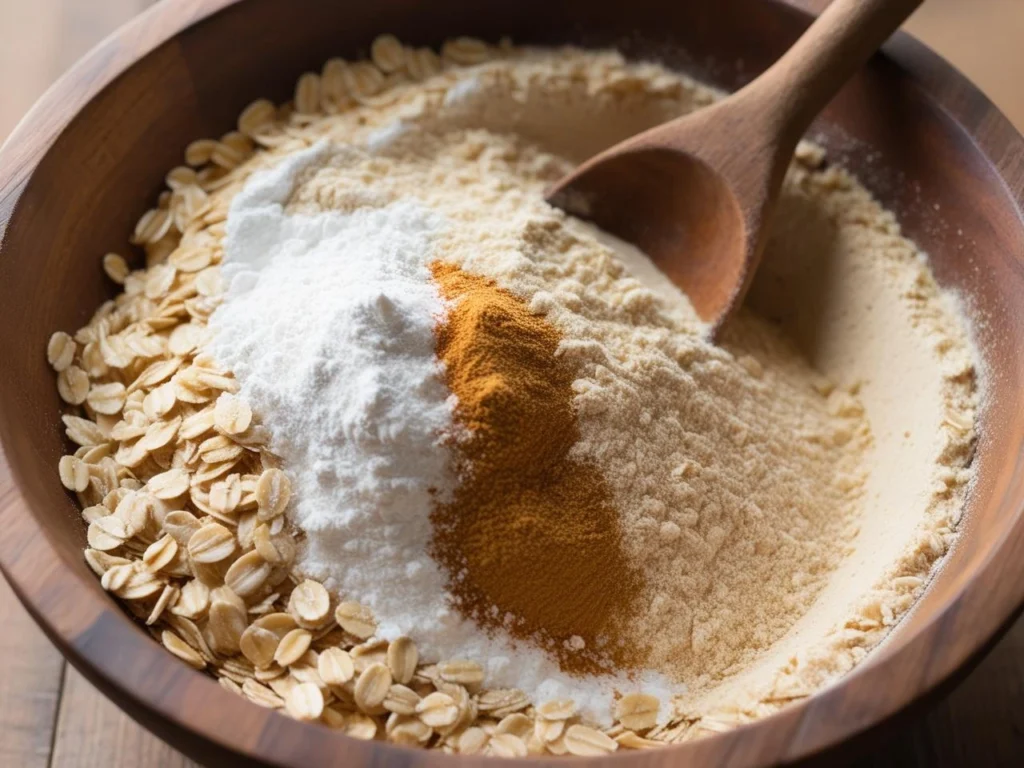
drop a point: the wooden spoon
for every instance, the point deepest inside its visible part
(697, 193)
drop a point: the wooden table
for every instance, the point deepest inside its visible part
(50, 716)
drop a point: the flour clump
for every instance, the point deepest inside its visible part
(329, 325)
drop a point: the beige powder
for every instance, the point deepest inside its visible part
(769, 484)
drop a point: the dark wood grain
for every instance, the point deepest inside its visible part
(980, 724)
(31, 688)
(64, 201)
(31, 685)
(93, 733)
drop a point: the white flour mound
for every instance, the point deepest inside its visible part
(328, 324)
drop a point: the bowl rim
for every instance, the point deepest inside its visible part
(803, 730)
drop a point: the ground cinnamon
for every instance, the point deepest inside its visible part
(530, 540)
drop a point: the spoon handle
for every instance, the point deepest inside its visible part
(799, 85)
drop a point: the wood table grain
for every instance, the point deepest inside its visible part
(50, 716)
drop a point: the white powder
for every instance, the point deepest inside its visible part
(328, 325)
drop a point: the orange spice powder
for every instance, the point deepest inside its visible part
(530, 540)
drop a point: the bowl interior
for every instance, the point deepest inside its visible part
(106, 169)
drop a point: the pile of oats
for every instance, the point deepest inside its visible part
(185, 505)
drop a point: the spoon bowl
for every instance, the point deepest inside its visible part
(688, 208)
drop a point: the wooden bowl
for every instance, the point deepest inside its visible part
(90, 158)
